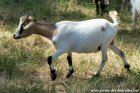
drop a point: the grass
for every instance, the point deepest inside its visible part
(23, 63)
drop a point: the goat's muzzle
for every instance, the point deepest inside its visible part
(16, 37)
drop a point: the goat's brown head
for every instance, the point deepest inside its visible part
(24, 27)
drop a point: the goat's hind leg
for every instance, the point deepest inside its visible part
(71, 70)
(119, 52)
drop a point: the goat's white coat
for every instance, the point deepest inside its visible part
(84, 36)
(135, 11)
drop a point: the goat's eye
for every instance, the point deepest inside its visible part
(23, 25)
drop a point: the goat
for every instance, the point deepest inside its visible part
(68, 36)
(100, 6)
(135, 12)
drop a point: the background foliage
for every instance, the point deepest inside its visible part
(23, 63)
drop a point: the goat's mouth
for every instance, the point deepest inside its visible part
(16, 37)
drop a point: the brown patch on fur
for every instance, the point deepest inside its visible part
(45, 29)
(48, 30)
(103, 28)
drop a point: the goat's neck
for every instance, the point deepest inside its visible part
(47, 30)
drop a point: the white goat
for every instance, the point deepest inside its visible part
(82, 37)
(135, 12)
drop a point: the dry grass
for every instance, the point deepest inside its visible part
(24, 68)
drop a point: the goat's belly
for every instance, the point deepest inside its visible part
(85, 45)
(86, 49)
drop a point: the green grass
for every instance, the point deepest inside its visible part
(23, 63)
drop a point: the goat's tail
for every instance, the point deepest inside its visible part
(114, 16)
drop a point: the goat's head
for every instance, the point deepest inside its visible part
(25, 27)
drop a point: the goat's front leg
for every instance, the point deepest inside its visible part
(71, 70)
(104, 59)
(51, 59)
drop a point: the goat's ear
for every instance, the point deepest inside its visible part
(30, 18)
(26, 14)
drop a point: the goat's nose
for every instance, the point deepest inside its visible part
(15, 37)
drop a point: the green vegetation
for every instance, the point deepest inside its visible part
(23, 63)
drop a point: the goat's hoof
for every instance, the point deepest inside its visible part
(69, 73)
(127, 67)
(96, 75)
(53, 77)
(53, 74)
